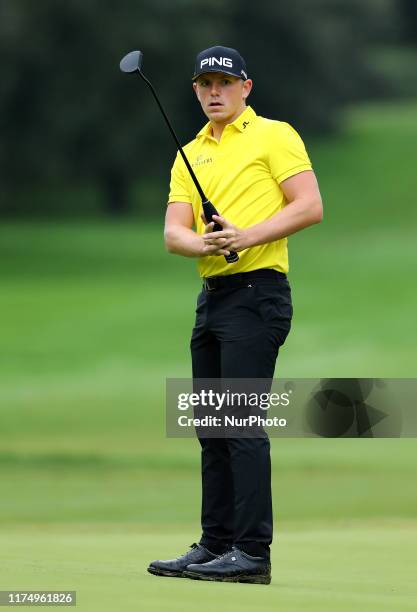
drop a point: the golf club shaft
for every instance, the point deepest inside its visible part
(208, 208)
(171, 129)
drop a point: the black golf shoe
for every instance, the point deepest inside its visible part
(176, 567)
(233, 566)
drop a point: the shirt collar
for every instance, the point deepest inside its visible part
(240, 123)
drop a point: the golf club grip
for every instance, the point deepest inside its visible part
(210, 210)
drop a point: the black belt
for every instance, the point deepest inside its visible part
(210, 283)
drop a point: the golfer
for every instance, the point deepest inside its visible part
(257, 173)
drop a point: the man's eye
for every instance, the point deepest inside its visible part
(203, 83)
(226, 81)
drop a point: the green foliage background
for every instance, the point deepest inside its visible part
(80, 137)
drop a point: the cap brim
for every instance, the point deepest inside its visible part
(238, 76)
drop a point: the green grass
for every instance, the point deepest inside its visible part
(95, 316)
(314, 569)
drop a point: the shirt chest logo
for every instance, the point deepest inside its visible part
(201, 160)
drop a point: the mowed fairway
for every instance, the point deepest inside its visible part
(95, 316)
(340, 568)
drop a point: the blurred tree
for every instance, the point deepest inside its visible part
(309, 58)
(409, 9)
(68, 116)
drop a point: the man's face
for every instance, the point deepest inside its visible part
(222, 97)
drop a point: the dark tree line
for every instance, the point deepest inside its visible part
(70, 118)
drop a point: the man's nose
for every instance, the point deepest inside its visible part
(215, 89)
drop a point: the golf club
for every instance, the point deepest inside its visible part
(131, 63)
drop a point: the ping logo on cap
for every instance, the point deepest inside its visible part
(221, 61)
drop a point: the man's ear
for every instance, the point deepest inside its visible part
(247, 88)
(196, 91)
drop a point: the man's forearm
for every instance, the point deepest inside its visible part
(296, 216)
(183, 241)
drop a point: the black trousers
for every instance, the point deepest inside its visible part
(237, 334)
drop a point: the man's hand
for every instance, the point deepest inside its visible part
(230, 238)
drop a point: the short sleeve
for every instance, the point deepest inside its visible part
(288, 155)
(178, 191)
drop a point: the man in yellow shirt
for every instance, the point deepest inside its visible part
(257, 173)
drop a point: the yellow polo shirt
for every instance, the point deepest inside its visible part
(241, 176)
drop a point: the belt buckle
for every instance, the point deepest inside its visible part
(208, 286)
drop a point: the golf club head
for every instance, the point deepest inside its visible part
(132, 62)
